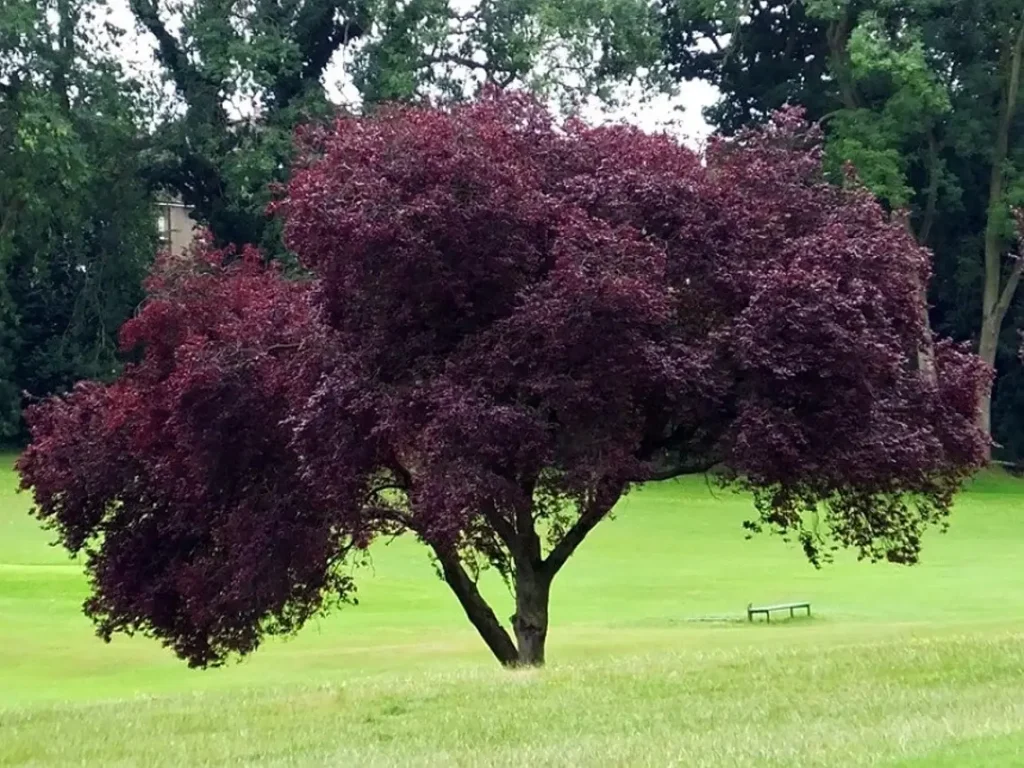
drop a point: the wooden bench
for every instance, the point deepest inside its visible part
(767, 609)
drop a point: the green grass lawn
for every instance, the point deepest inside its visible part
(651, 659)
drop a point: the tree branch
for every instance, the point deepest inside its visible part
(378, 489)
(1010, 288)
(683, 451)
(680, 469)
(923, 353)
(836, 36)
(933, 190)
(493, 74)
(604, 499)
(503, 528)
(10, 212)
(168, 49)
(477, 610)
(401, 522)
(506, 81)
(318, 34)
(1013, 89)
(994, 294)
(403, 475)
(65, 56)
(462, 61)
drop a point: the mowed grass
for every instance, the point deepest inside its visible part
(651, 659)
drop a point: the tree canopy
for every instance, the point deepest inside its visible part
(509, 322)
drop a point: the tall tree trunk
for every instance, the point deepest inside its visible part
(998, 294)
(923, 356)
(987, 346)
(838, 36)
(64, 58)
(530, 622)
(926, 352)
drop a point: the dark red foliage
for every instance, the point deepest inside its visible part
(510, 322)
(179, 479)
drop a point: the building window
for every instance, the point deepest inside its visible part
(163, 225)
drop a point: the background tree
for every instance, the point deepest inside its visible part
(76, 227)
(568, 51)
(511, 322)
(246, 73)
(924, 98)
(84, 147)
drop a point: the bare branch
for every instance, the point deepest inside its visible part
(1006, 297)
(462, 61)
(597, 510)
(390, 515)
(695, 466)
(378, 489)
(169, 51)
(683, 450)
(403, 475)
(1010, 287)
(993, 298)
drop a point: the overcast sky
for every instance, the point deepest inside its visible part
(679, 114)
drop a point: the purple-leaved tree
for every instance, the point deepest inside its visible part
(509, 323)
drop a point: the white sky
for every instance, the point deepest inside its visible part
(679, 115)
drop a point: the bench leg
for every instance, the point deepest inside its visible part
(791, 613)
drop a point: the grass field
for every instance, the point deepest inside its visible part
(650, 660)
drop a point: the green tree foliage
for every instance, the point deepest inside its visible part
(246, 72)
(76, 227)
(570, 49)
(924, 98)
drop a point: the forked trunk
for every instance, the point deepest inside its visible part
(530, 622)
(533, 577)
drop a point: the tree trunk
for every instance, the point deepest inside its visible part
(533, 577)
(924, 353)
(998, 294)
(837, 36)
(987, 345)
(530, 622)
